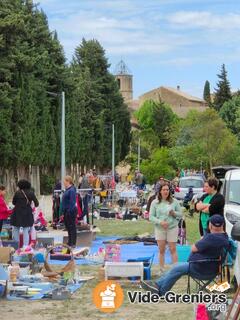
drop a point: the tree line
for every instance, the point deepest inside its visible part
(32, 67)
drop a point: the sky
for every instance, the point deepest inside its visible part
(163, 42)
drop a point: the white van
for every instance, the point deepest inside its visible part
(231, 191)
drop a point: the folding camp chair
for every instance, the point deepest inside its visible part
(203, 282)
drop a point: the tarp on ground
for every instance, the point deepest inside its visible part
(128, 251)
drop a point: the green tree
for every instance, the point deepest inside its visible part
(159, 164)
(31, 63)
(207, 93)
(223, 90)
(208, 141)
(102, 104)
(230, 113)
(158, 117)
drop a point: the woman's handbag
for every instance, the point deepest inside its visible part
(28, 202)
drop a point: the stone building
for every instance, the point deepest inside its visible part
(124, 79)
(179, 101)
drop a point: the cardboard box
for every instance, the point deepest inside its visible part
(84, 238)
(6, 254)
(45, 241)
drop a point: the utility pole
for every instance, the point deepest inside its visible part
(63, 161)
(113, 152)
(139, 153)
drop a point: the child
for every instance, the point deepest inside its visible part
(188, 198)
(4, 211)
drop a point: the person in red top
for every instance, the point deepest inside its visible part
(4, 211)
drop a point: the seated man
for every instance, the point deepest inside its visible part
(209, 247)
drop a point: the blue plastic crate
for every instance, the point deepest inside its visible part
(147, 263)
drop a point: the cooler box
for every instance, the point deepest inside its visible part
(84, 238)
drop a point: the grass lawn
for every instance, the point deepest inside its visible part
(133, 228)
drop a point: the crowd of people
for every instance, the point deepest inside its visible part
(25, 201)
(21, 217)
(164, 212)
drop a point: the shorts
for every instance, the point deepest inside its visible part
(169, 235)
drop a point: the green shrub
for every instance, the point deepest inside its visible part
(47, 183)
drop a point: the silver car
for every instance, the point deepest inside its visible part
(195, 182)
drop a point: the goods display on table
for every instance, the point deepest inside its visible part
(126, 203)
(6, 254)
(28, 283)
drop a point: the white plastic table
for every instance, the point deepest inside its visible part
(123, 269)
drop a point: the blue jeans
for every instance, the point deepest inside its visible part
(168, 279)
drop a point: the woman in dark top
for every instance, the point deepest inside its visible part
(22, 214)
(69, 210)
(212, 202)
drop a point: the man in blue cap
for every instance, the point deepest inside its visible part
(209, 247)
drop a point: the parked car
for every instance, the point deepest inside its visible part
(196, 182)
(231, 191)
(220, 171)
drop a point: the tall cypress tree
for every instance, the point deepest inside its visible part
(31, 63)
(223, 90)
(7, 38)
(104, 103)
(207, 93)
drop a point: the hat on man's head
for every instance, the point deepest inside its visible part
(217, 220)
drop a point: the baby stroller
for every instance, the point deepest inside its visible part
(182, 232)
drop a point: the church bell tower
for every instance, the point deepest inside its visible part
(124, 79)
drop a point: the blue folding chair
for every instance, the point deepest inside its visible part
(147, 264)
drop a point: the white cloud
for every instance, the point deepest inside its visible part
(138, 28)
(118, 35)
(205, 19)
